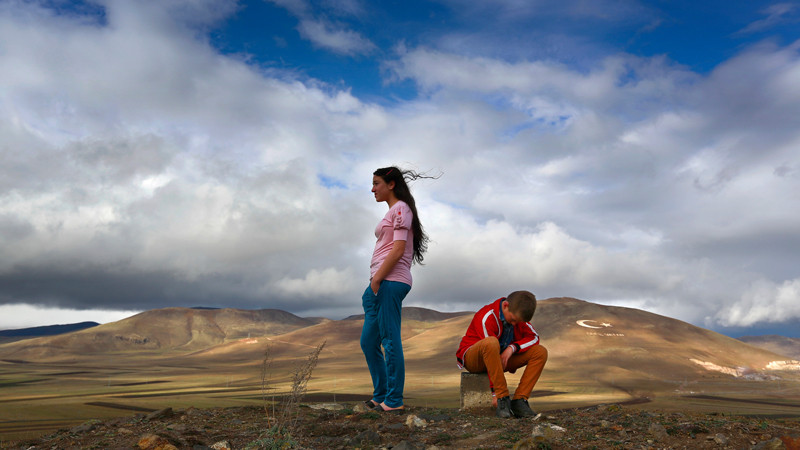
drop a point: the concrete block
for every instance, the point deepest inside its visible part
(475, 392)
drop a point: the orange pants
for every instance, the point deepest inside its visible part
(484, 356)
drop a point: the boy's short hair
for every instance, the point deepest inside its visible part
(522, 304)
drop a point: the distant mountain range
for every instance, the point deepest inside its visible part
(421, 314)
(781, 345)
(585, 340)
(48, 330)
(597, 354)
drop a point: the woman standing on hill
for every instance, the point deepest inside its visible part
(401, 241)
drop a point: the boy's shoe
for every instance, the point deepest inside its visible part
(520, 408)
(503, 410)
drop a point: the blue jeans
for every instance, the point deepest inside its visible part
(382, 314)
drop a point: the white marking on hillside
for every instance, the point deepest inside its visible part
(744, 372)
(717, 368)
(583, 323)
(784, 365)
(597, 325)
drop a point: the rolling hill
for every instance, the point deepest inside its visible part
(175, 357)
(781, 345)
(48, 330)
(628, 350)
(161, 330)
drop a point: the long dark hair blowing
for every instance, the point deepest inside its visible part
(402, 192)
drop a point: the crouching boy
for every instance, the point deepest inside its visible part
(501, 339)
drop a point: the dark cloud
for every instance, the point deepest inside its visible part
(84, 286)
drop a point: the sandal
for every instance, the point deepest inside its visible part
(370, 404)
(382, 409)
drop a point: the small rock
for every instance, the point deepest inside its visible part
(657, 430)
(360, 408)
(791, 443)
(179, 427)
(605, 424)
(160, 414)
(155, 442)
(547, 432)
(365, 439)
(329, 406)
(221, 445)
(531, 443)
(413, 421)
(721, 439)
(435, 417)
(405, 445)
(124, 431)
(772, 444)
(84, 427)
(116, 421)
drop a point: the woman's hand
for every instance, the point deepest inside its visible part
(374, 285)
(398, 248)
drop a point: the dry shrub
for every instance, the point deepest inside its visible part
(286, 416)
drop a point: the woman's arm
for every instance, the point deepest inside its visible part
(398, 248)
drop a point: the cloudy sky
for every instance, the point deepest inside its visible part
(220, 153)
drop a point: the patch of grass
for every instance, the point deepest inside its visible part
(510, 436)
(442, 438)
(274, 439)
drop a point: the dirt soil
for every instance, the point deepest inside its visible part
(352, 426)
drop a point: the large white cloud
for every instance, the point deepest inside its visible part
(760, 302)
(141, 168)
(636, 157)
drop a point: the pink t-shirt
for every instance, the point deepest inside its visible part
(395, 226)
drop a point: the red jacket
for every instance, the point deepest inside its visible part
(486, 322)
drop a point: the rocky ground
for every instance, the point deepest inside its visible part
(318, 426)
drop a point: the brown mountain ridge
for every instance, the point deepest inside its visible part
(585, 340)
(182, 357)
(781, 345)
(167, 329)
